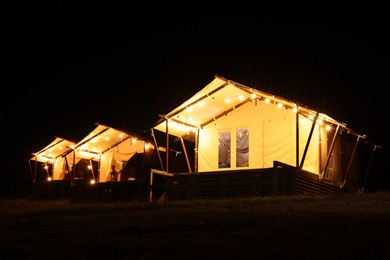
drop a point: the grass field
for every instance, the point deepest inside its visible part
(348, 226)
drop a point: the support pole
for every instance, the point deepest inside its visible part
(351, 160)
(185, 154)
(158, 152)
(368, 168)
(167, 145)
(330, 152)
(308, 142)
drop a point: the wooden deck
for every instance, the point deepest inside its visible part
(280, 180)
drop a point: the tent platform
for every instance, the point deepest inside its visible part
(281, 180)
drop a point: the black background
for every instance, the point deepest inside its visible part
(71, 64)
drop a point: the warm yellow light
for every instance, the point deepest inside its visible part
(107, 138)
(201, 104)
(89, 167)
(253, 96)
(49, 178)
(181, 127)
(92, 181)
(267, 100)
(280, 105)
(121, 135)
(191, 121)
(227, 100)
(134, 140)
(147, 146)
(46, 167)
(327, 127)
(241, 97)
(295, 109)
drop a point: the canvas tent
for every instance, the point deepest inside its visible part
(91, 158)
(237, 127)
(101, 150)
(48, 163)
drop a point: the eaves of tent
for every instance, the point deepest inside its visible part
(109, 147)
(55, 149)
(52, 156)
(100, 140)
(222, 96)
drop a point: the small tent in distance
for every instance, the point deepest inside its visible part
(83, 170)
(105, 149)
(49, 163)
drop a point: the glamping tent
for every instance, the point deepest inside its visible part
(104, 150)
(237, 128)
(103, 155)
(48, 163)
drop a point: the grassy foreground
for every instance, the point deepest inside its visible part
(352, 226)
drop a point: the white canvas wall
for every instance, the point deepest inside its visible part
(272, 136)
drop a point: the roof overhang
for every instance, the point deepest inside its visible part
(55, 149)
(216, 100)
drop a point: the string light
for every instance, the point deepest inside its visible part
(185, 127)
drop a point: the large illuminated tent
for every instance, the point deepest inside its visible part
(237, 128)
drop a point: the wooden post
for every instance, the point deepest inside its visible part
(275, 178)
(151, 187)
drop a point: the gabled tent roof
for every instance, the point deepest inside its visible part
(219, 98)
(100, 140)
(56, 148)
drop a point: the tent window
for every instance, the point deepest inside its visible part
(242, 147)
(224, 147)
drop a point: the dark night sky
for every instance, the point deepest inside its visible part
(73, 64)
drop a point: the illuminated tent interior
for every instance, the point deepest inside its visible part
(104, 148)
(48, 163)
(94, 156)
(239, 127)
